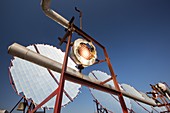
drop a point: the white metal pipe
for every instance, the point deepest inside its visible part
(71, 74)
(45, 4)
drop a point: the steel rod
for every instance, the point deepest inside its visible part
(122, 102)
(16, 105)
(109, 79)
(52, 75)
(45, 100)
(58, 103)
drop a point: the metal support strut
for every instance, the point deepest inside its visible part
(58, 103)
(100, 109)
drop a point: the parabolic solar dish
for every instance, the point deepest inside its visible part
(111, 102)
(36, 83)
(108, 101)
(138, 106)
(154, 109)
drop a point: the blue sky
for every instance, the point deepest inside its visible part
(136, 35)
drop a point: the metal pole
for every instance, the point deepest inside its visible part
(80, 16)
(16, 105)
(45, 100)
(52, 75)
(122, 102)
(44, 110)
(58, 103)
(45, 4)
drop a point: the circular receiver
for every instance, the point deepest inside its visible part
(83, 52)
(36, 82)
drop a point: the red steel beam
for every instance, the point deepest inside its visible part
(58, 84)
(45, 100)
(58, 103)
(36, 48)
(122, 102)
(86, 36)
(109, 79)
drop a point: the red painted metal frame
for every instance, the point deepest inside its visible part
(45, 100)
(52, 75)
(64, 91)
(163, 99)
(102, 84)
(57, 107)
(122, 102)
(165, 102)
(60, 89)
(109, 79)
(87, 37)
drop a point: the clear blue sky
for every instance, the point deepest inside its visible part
(136, 35)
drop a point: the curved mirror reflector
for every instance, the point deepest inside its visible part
(147, 97)
(108, 101)
(159, 109)
(36, 82)
(138, 106)
(131, 90)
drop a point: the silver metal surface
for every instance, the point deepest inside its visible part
(36, 82)
(45, 4)
(108, 101)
